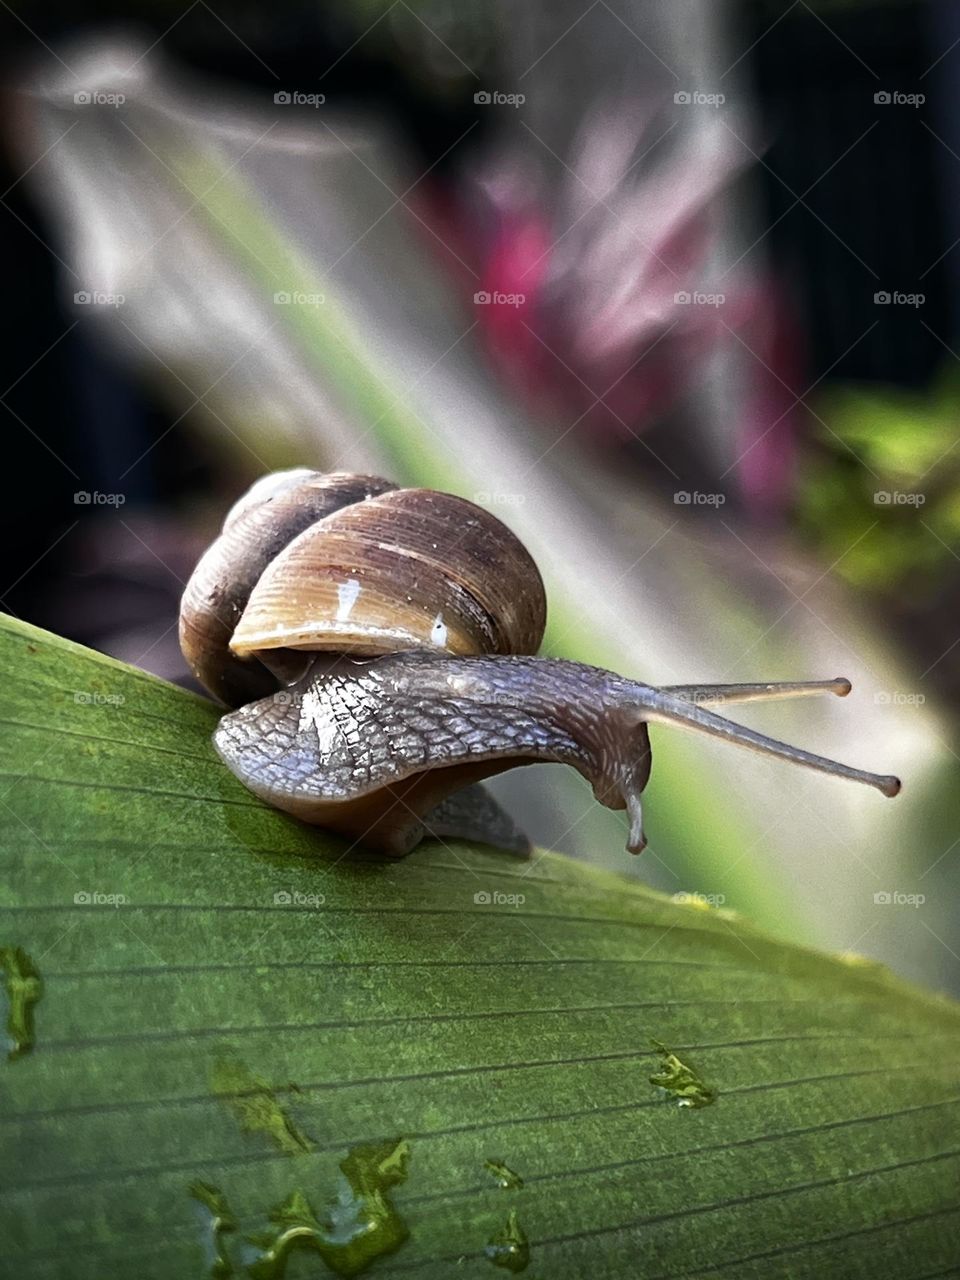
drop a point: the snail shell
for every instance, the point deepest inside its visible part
(351, 564)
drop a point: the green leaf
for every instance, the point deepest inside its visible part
(257, 1053)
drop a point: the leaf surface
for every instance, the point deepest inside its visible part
(234, 1003)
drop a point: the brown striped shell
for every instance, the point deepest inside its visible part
(344, 563)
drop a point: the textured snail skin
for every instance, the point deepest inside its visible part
(369, 748)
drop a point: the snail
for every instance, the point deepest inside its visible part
(379, 646)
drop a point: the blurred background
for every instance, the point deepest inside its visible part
(669, 285)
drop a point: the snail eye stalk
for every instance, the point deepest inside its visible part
(666, 708)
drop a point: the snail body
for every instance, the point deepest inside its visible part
(379, 644)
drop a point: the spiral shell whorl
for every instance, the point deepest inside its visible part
(274, 511)
(352, 564)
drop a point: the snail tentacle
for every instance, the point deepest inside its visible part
(669, 710)
(771, 692)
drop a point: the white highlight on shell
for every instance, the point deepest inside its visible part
(438, 634)
(317, 713)
(347, 594)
